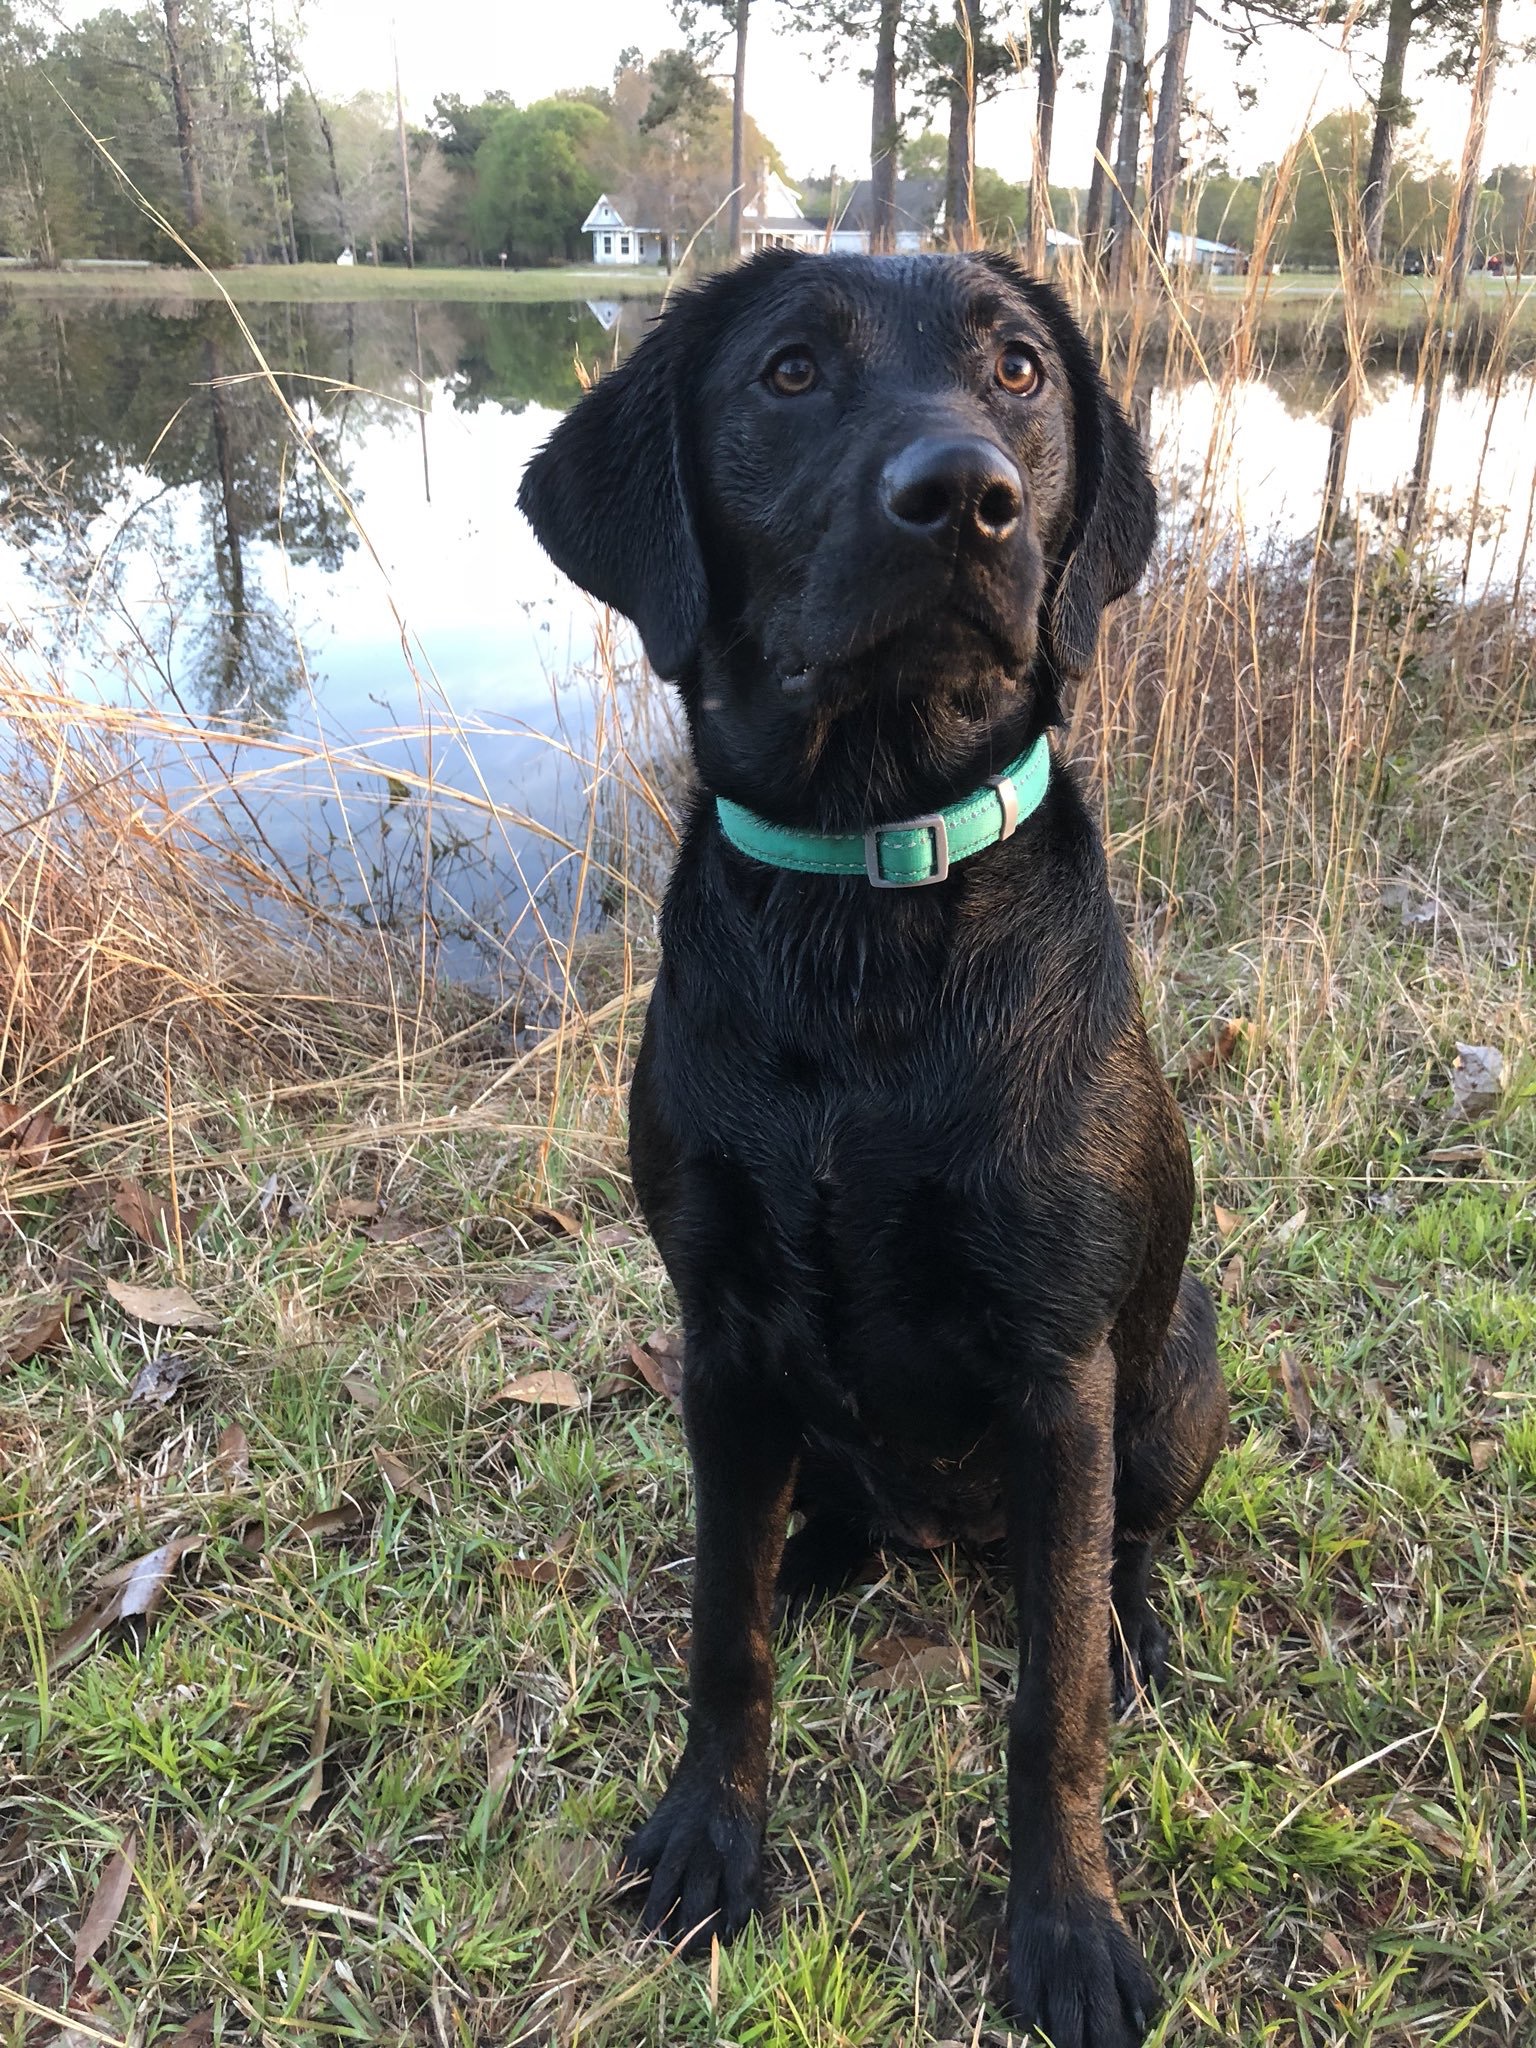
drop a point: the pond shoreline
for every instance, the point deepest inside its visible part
(331, 283)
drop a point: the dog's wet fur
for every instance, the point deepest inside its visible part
(915, 1174)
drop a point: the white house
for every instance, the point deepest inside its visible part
(771, 218)
(617, 234)
(1197, 252)
(918, 201)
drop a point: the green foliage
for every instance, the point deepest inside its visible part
(536, 175)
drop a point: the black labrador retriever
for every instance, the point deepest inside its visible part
(896, 1127)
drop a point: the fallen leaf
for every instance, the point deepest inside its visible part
(558, 1221)
(398, 1477)
(612, 1235)
(31, 1136)
(1477, 1078)
(1285, 1234)
(1336, 1952)
(659, 1362)
(1456, 1155)
(1228, 1221)
(905, 1661)
(542, 1390)
(330, 1521)
(355, 1209)
(1232, 1279)
(275, 1204)
(319, 1734)
(158, 1379)
(524, 1297)
(1483, 1450)
(135, 1588)
(544, 1571)
(197, 2032)
(1433, 1835)
(1226, 1037)
(232, 1453)
(501, 1757)
(151, 1218)
(1485, 1373)
(359, 1386)
(394, 1228)
(107, 1902)
(13, 1849)
(170, 1308)
(1297, 1382)
(40, 1328)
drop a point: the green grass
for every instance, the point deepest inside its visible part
(333, 284)
(1323, 1832)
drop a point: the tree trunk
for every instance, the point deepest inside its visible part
(30, 162)
(883, 133)
(1109, 107)
(1391, 112)
(738, 129)
(186, 141)
(405, 169)
(1166, 161)
(960, 178)
(266, 141)
(330, 155)
(1122, 204)
(1045, 123)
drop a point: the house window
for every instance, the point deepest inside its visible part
(607, 245)
(623, 245)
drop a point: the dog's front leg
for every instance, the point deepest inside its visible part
(1074, 1973)
(703, 1844)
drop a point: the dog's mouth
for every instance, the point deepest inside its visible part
(962, 644)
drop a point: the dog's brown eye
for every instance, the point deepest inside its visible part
(791, 374)
(1018, 371)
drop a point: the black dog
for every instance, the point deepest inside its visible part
(915, 1174)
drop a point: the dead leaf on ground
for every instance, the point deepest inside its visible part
(1477, 1078)
(358, 1385)
(524, 1297)
(1433, 1834)
(398, 1477)
(13, 1850)
(158, 1379)
(150, 1217)
(29, 1136)
(612, 1235)
(1232, 1278)
(319, 1735)
(545, 1571)
(107, 1902)
(196, 2032)
(330, 1521)
(1296, 1379)
(502, 1752)
(394, 1228)
(232, 1453)
(1483, 1451)
(1336, 1952)
(169, 1308)
(40, 1328)
(542, 1390)
(1228, 1221)
(906, 1661)
(1226, 1036)
(659, 1362)
(559, 1222)
(1456, 1155)
(1285, 1234)
(357, 1209)
(134, 1589)
(1485, 1373)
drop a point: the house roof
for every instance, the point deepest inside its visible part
(782, 224)
(917, 204)
(623, 204)
(1180, 243)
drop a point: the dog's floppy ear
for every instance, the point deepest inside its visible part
(1114, 521)
(607, 498)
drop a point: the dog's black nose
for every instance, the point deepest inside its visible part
(958, 481)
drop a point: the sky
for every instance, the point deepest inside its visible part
(533, 47)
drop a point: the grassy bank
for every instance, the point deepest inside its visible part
(333, 284)
(344, 1575)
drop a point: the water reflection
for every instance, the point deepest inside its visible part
(341, 560)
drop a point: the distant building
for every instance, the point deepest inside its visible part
(918, 201)
(771, 218)
(618, 236)
(1213, 259)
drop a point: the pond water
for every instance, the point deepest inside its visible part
(390, 686)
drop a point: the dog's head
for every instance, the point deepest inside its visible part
(866, 511)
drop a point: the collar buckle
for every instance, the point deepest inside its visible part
(1008, 797)
(930, 821)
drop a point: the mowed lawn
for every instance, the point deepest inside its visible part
(333, 283)
(415, 1662)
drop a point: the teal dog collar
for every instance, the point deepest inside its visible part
(907, 855)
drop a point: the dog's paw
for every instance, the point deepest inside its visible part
(1138, 1655)
(703, 1852)
(1076, 1979)
(818, 1561)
